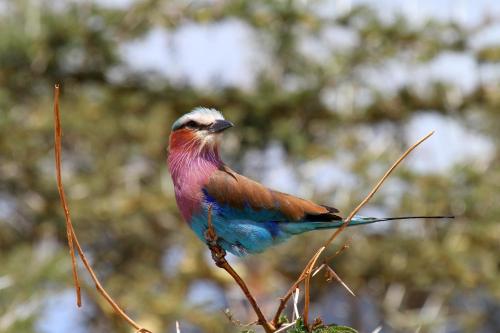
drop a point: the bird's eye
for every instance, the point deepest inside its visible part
(191, 124)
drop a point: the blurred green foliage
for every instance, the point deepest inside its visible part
(300, 328)
(121, 198)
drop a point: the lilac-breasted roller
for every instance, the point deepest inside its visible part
(247, 216)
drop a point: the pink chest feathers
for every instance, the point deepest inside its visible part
(190, 173)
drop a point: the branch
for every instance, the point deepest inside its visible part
(62, 195)
(70, 232)
(331, 274)
(306, 272)
(219, 257)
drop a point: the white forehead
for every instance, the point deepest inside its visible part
(201, 115)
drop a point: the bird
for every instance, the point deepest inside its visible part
(246, 216)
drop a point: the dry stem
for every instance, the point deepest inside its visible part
(70, 232)
(305, 275)
(219, 257)
(62, 195)
(331, 274)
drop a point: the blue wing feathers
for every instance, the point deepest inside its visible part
(248, 218)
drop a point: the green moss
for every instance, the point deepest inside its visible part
(300, 328)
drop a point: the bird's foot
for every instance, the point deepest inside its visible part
(218, 255)
(211, 238)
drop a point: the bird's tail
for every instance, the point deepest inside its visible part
(360, 220)
(298, 228)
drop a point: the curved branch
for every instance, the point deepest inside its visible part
(306, 272)
(219, 257)
(70, 232)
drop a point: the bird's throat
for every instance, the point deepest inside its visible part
(191, 170)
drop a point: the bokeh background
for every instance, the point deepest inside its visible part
(325, 95)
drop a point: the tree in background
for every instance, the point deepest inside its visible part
(325, 112)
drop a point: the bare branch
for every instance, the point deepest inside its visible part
(312, 262)
(72, 238)
(339, 251)
(296, 314)
(237, 322)
(330, 274)
(62, 195)
(376, 188)
(307, 286)
(219, 257)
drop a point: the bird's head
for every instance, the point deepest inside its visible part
(198, 129)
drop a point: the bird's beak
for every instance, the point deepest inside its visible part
(219, 126)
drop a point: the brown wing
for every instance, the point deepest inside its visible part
(228, 187)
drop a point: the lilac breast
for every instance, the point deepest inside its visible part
(190, 173)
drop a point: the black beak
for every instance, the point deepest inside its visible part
(219, 126)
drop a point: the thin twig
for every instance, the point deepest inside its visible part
(296, 314)
(101, 289)
(237, 322)
(331, 274)
(319, 269)
(219, 257)
(62, 195)
(377, 187)
(307, 287)
(72, 238)
(288, 294)
(295, 285)
(312, 262)
(339, 251)
(285, 327)
(284, 300)
(348, 220)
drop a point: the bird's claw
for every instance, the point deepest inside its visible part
(218, 253)
(210, 237)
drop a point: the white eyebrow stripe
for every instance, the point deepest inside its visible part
(202, 116)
